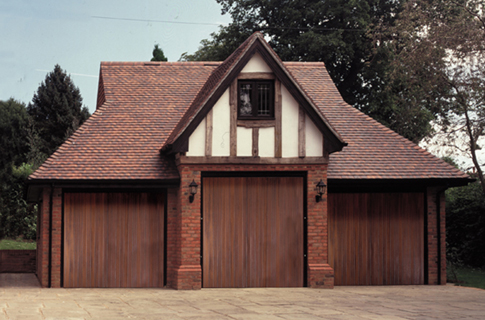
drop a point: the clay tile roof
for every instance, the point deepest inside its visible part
(374, 151)
(142, 106)
(122, 139)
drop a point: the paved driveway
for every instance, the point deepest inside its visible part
(395, 302)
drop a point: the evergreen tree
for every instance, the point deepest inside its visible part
(56, 110)
(158, 54)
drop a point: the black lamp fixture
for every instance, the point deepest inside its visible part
(193, 190)
(321, 188)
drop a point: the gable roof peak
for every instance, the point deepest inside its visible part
(221, 78)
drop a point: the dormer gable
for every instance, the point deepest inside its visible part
(251, 106)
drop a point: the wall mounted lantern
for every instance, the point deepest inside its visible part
(321, 188)
(193, 190)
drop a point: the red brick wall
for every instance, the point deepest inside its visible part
(184, 220)
(436, 249)
(17, 261)
(319, 272)
(56, 238)
(43, 239)
(183, 235)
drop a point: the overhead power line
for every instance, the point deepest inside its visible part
(218, 24)
(162, 21)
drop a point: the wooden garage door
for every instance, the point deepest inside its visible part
(113, 240)
(252, 232)
(376, 238)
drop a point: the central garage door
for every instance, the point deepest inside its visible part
(113, 240)
(252, 232)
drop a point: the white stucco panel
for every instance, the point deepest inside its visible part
(256, 64)
(313, 139)
(289, 124)
(221, 119)
(244, 142)
(197, 141)
(266, 142)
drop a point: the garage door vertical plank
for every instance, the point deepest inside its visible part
(130, 245)
(244, 247)
(207, 232)
(391, 231)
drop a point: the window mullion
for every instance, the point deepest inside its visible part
(255, 99)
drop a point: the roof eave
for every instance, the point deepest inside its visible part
(444, 182)
(35, 186)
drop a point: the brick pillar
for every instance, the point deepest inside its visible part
(436, 216)
(185, 271)
(43, 239)
(56, 238)
(319, 272)
(173, 226)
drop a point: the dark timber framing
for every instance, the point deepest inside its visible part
(334, 141)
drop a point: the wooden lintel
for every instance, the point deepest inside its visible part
(256, 75)
(251, 160)
(208, 134)
(256, 123)
(277, 113)
(255, 142)
(233, 118)
(301, 133)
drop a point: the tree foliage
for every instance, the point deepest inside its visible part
(440, 47)
(349, 36)
(465, 225)
(27, 136)
(14, 122)
(158, 54)
(17, 217)
(56, 110)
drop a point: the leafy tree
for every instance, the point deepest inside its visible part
(465, 225)
(17, 146)
(441, 49)
(13, 135)
(349, 36)
(17, 218)
(158, 54)
(56, 110)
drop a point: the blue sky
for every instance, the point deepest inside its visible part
(36, 35)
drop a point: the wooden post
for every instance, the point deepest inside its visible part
(208, 135)
(301, 133)
(277, 114)
(255, 142)
(233, 119)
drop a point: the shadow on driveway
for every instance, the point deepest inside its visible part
(21, 280)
